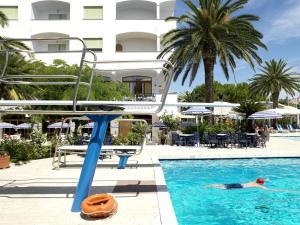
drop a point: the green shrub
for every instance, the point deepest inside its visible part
(171, 122)
(134, 138)
(117, 140)
(23, 151)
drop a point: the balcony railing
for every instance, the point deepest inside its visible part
(142, 98)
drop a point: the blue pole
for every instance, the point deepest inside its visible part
(91, 159)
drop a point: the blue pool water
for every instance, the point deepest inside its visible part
(296, 138)
(195, 204)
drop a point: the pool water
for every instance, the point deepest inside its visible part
(195, 204)
(295, 138)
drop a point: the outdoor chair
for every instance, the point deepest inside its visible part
(193, 141)
(176, 139)
(205, 136)
(279, 128)
(222, 139)
(213, 140)
(261, 141)
(196, 139)
(232, 140)
(290, 128)
(107, 140)
(243, 141)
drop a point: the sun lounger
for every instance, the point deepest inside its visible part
(291, 129)
(122, 151)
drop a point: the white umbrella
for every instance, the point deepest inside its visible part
(89, 125)
(159, 124)
(7, 125)
(265, 115)
(196, 110)
(58, 125)
(24, 126)
(291, 111)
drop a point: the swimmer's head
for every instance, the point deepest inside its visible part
(260, 181)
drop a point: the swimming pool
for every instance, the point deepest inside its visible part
(292, 138)
(195, 204)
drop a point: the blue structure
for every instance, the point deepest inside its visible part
(92, 155)
(123, 161)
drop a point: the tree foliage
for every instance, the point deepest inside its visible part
(171, 122)
(212, 30)
(275, 77)
(234, 93)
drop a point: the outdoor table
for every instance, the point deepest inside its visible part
(185, 137)
(222, 137)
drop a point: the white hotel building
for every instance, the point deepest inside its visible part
(113, 29)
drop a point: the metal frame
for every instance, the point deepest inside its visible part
(101, 118)
(17, 80)
(57, 153)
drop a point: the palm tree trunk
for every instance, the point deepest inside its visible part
(209, 64)
(275, 97)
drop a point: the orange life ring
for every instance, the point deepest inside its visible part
(99, 205)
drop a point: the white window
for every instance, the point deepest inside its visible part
(11, 12)
(93, 12)
(57, 16)
(57, 47)
(95, 44)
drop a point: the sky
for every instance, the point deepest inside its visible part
(279, 23)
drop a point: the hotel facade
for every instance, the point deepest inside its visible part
(113, 29)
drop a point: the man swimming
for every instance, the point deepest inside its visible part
(253, 184)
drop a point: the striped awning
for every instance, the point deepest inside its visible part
(265, 115)
(195, 110)
(24, 126)
(58, 125)
(7, 125)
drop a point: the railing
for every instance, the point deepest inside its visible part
(142, 98)
(79, 107)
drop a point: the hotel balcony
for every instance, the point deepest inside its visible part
(144, 10)
(136, 42)
(50, 10)
(48, 50)
(136, 10)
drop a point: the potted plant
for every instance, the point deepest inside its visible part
(4, 159)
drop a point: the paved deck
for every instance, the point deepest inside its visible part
(35, 194)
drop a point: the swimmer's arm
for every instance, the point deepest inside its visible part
(277, 190)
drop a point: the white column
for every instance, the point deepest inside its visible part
(157, 12)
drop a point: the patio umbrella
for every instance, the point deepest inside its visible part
(7, 125)
(159, 124)
(196, 111)
(58, 125)
(291, 111)
(265, 115)
(24, 126)
(89, 125)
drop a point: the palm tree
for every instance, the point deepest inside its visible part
(187, 97)
(11, 44)
(275, 76)
(3, 20)
(247, 108)
(16, 64)
(212, 30)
